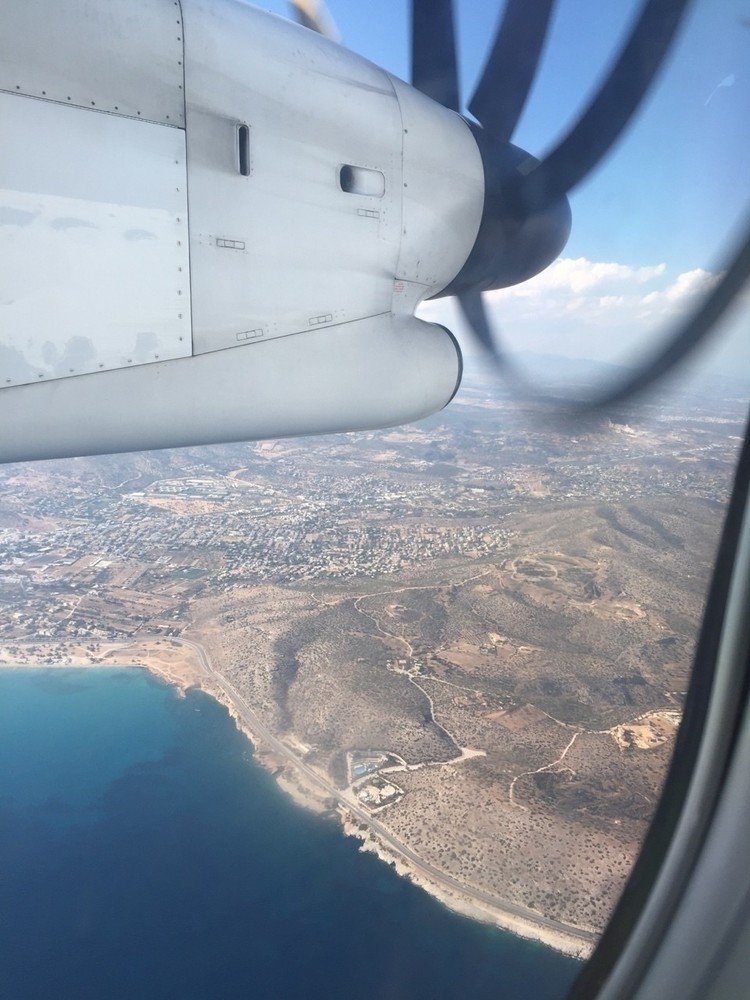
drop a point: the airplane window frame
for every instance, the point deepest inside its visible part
(706, 741)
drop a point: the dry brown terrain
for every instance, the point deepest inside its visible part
(564, 664)
(478, 629)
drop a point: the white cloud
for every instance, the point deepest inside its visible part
(602, 294)
(580, 275)
(678, 295)
(584, 308)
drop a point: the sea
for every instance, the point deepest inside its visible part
(145, 855)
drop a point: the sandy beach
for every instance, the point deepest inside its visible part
(179, 664)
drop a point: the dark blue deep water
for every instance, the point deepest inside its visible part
(143, 854)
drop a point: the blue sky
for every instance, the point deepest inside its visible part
(667, 202)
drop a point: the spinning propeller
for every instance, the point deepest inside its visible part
(526, 218)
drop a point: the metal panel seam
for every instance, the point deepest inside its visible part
(401, 185)
(178, 4)
(95, 111)
(299, 333)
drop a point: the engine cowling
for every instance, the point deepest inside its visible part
(222, 181)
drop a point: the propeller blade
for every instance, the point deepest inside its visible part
(314, 14)
(695, 330)
(509, 72)
(473, 308)
(609, 112)
(597, 129)
(433, 51)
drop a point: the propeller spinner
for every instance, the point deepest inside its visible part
(515, 240)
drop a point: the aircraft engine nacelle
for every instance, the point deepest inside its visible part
(216, 225)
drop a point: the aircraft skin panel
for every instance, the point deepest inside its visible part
(93, 239)
(120, 56)
(286, 248)
(155, 263)
(443, 188)
(371, 373)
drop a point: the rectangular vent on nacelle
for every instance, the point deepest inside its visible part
(362, 180)
(243, 149)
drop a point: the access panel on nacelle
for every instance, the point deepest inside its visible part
(93, 242)
(287, 248)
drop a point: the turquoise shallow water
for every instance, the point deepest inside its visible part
(146, 855)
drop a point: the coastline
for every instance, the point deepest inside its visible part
(175, 663)
(567, 944)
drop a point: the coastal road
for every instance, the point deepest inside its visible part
(259, 729)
